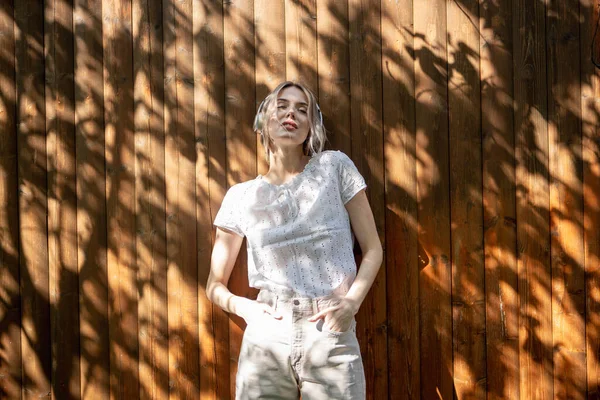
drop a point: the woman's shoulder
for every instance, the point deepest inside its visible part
(239, 189)
(333, 157)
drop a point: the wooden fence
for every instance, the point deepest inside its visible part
(474, 122)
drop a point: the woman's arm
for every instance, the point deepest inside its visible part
(339, 317)
(225, 251)
(363, 226)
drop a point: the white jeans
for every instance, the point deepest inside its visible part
(286, 358)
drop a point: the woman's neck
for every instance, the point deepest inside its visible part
(284, 165)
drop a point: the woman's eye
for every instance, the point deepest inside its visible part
(302, 111)
(281, 107)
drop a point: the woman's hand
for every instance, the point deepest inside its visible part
(337, 318)
(250, 309)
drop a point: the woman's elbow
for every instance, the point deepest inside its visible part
(375, 252)
(378, 251)
(379, 254)
(210, 290)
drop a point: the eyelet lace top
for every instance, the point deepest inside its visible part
(298, 235)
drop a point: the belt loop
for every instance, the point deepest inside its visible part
(315, 305)
(275, 302)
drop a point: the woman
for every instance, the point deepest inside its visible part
(298, 220)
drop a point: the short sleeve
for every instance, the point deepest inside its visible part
(229, 215)
(351, 181)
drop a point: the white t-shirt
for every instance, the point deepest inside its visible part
(298, 234)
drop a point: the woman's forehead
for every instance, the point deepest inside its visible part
(292, 93)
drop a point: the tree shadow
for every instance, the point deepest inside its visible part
(122, 133)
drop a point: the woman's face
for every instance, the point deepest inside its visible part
(288, 125)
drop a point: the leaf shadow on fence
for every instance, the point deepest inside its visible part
(164, 114)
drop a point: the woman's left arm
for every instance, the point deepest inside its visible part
(363, 224)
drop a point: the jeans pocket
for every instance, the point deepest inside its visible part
(256, 316)
(321, 327)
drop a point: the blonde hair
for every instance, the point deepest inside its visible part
(315, 141)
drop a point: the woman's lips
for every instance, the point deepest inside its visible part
(289, 124)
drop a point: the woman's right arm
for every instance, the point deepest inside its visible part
(225, 251)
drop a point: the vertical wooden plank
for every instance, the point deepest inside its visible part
(566, 202)
(301, 42)
(33, 205)
(590, 109)
(211, 175)
(464, 126)
(270, 58)
(182, 273)
(238, 39)
(120, 199)
(499, 200)
(62, 206)
(533, 236)
(367, 153)
(148, 94)
(91, 200)
(402, 276)
(432, 197)
(10, 302)
(334, 72)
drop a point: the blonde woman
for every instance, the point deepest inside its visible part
(299, 220)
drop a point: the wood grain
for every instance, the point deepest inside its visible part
(10, 306)
(464, 126)
(532, 185)
(402, 277)
(367, 153)
(150, 214)
(62, 199)
(120, 199)
(241, 151)
(474, 123)
(180, 172)
(566, 200)
(433, 190)
(91, 200)
(590, 123)
(334, 72)
(209, 106)
(499, 214)
(301, 42)
(33, 199)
